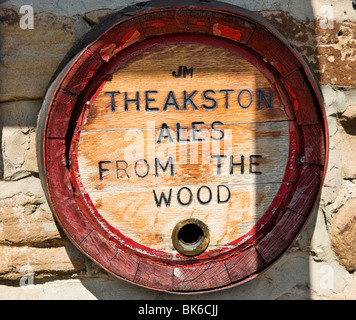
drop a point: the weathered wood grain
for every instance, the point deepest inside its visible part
(190, 278)
(315, 146)
(282, 235)
(154, 275)
(307, 189)
(245, 264)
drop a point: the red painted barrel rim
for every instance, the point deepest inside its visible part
(80, 78)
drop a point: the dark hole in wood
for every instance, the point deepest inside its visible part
(190, 234)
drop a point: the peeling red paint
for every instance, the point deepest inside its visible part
(110, 50)
(107, 51)
(294, 96)
(290, 91)
(276, 66)
(69, 109)
(128, 36)
(227, 32)
(97, 93)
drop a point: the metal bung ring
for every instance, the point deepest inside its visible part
(191, 237)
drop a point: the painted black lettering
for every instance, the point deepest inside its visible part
(239, 164)
(267, 100)
(179, 139)
(209, 99)
(112, 94)
(163, 197)
(136, 101)
(170, 163)
(171, 101)
(239, 97)
(180, 199)
(177, 74)
(187, 99)
(187, 71)
(228, 194)
(101, 169)
(222, 133)
(164, 133)
(254, 163)
(148, 100)
(183, 71)
(199, 197)
(195, 130)
(218, 159)
(227, 92)
(118, 168)
(145, 164)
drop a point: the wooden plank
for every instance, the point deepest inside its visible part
(199, 22)
(67, 210)
(200, 277)
(274, 51)
(281, 237)
(60, 115)
(244, 264)
(124, 264)
(296, 153)
(81, 72)
(314, 141)
(154, 275)
(165, 22)
(181, 20)
(307, 189)
(55, 163)
(300, 93)
(111, 256)
(95, 246)
(231, 27)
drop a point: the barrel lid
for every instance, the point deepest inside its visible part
(183, 146)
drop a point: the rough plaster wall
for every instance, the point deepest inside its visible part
(38, 262)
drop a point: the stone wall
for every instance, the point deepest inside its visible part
(39, 262)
